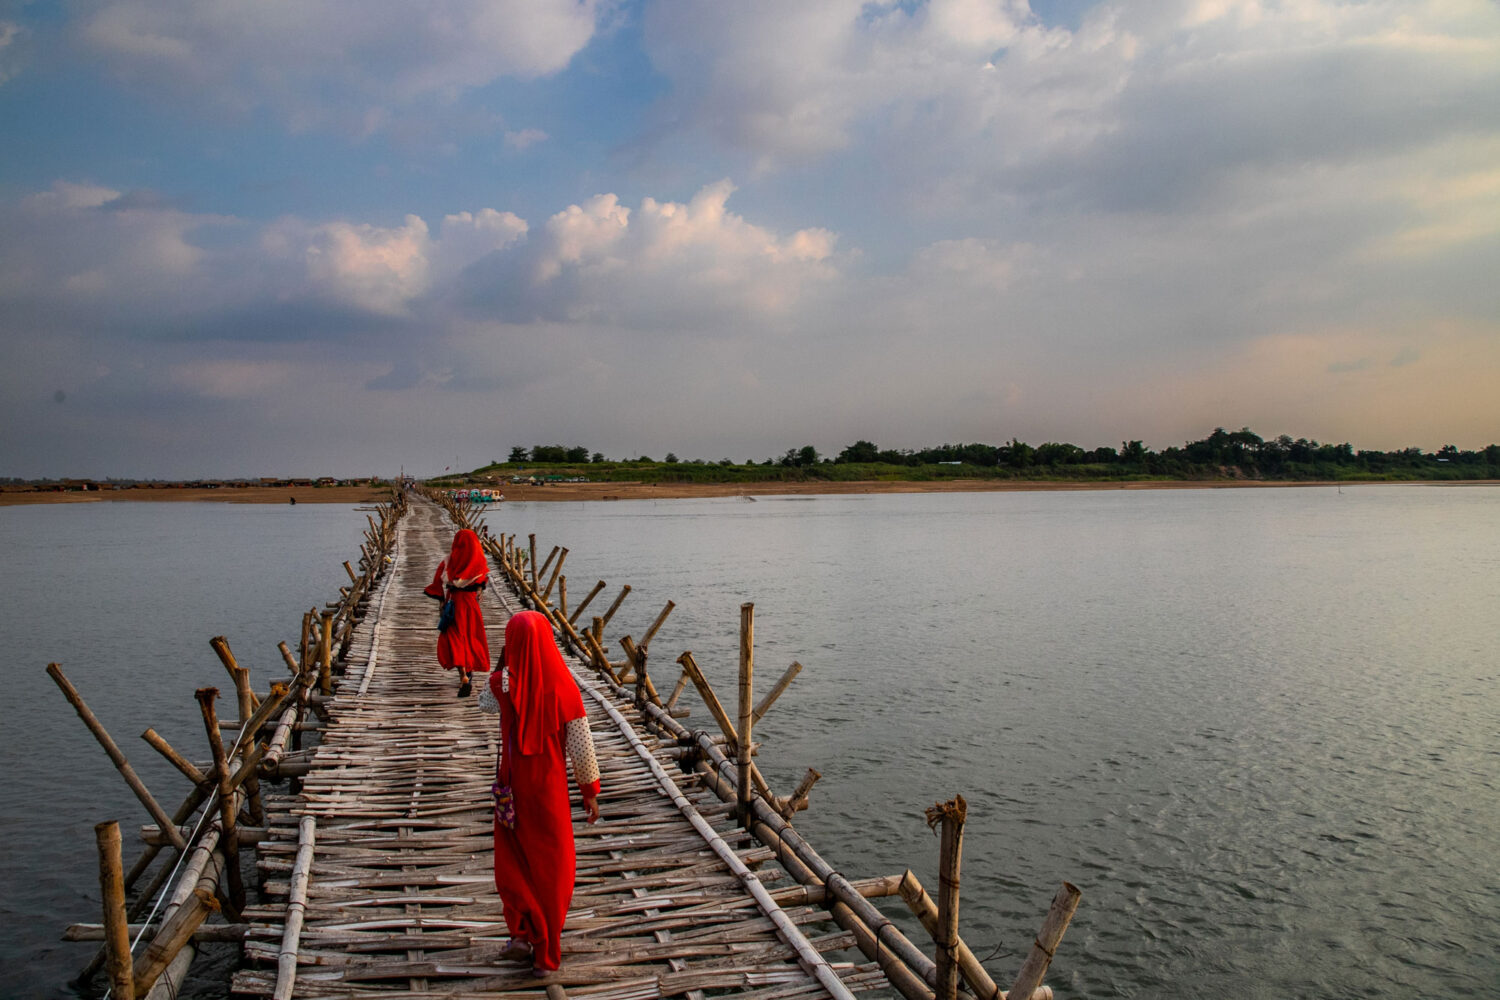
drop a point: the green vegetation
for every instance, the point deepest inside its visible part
(1223, 455)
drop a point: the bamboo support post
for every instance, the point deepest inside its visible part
(176, 932)
(637, 656)
(1044, 945)
(532, 564)
(562, 597)
(244, 695)
(116, 927)
(556, 572)
(177, 760)
(546, 565)
(350, 570)
(926, 911)
(710, 700)
(325, 655)
(950, 816)
(286, 657)
(747, 689)
(776, 691)
(797, 801)
(227, 809)
(681, 686)
(624, 592)
(303, 641)
(592, 594)
(112, 749)
(656, 625)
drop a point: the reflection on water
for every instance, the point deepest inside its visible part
(1255, 727)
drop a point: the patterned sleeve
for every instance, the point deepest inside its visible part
(487, 701)
(580, 743)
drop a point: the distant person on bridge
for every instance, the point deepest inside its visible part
(541, 719)
(462, 644)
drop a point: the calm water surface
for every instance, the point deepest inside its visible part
(1258, 728)
(126, 596)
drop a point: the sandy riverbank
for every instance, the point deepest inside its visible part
(574, 492)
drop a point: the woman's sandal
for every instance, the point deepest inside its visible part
(516, 950)
(464, 687)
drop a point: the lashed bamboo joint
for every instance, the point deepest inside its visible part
(374, 864)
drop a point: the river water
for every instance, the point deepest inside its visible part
(1258, 728)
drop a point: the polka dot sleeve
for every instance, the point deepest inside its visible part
(580, 744)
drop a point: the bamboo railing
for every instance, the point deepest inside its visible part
(202, 877)
(727, 768)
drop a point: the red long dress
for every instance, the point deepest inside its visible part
(463, 644)
(534, 863)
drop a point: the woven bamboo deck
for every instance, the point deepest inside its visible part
(400, 898)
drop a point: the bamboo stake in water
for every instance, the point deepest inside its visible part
(776, 690)
(747, 689)
(950, 815)
(578, 611)
(115, 755)
(1044, 945)
(116, 927)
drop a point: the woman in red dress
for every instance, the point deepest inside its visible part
(541, 719)
(462, 644)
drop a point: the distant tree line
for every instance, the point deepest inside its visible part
(1234, 454)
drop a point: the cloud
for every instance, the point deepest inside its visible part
(666, 265)
(525, 138)
(341, 63)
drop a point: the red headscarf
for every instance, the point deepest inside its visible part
(541, 688)
(466, 559)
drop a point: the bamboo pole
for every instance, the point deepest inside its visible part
(776, 691)
(244, 695)
(950, 816)
(562, 597)
(710, 700)
(112, 749)
(797, 801)
(624, 591)
(1044, 945)
(656, 625)
(350, 570)
(325, 655)
(177, 760)
(681, 686)
(926, 911)
(176, 932)
(116, 929)
(747, 688)
(556, 571)
(296, 908)
(578, 611)
(546, 565)
(643, 687)
(227, 810)
(532, 564)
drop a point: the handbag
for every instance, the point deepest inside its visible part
(505, 805)
(446, 616)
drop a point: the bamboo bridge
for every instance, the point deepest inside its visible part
(361, 784)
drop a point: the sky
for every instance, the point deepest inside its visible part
(342, 237)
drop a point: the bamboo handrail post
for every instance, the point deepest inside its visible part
(532, 564)
(624, 592)
(302, 643)
(925, 910)
(1044, 945)
(350, 570)
(244, 695)
(950, 816)
(227, 817)
(116, 926)
(776, 691)
(746, 691)
(562, 598)
(113, 750)
(286, 657)
(585, 603)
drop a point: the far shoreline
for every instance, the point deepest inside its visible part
(606, 491)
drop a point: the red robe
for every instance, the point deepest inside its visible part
(464, 643)
(535, 862)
